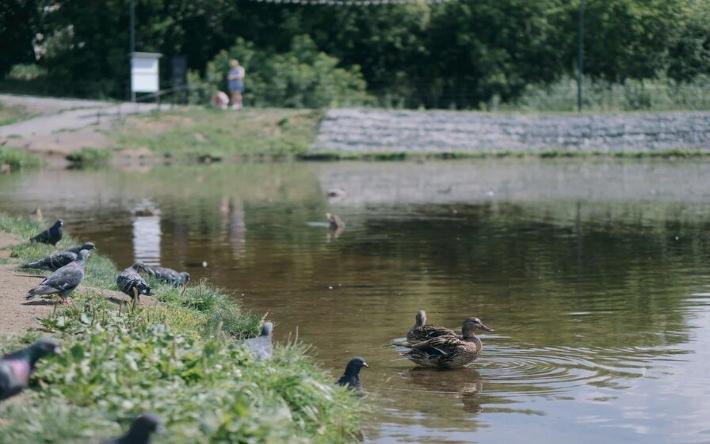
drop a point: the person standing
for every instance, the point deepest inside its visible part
(235, 79)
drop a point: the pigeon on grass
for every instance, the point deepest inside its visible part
(63, 281)
(351, 377)
(141, 430)
(164, 274)
(133, 284)
(59, 259)
(261, 346)
(16, 367)
(51, 235)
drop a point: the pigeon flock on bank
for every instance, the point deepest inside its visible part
(426, 346)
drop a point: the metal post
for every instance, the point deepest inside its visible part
(580, 54)
(132, 42)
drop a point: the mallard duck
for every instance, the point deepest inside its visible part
(450, 351)
(421, 332)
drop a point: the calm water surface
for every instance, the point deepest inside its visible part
(595, 276)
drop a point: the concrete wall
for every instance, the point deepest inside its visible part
(371, 130)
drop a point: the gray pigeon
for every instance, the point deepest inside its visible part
(140, 431)
(164, 274)
(51, 235)
(132, 284)
(63, 281)
(261, 346)
(16, 368)
(59, 259)
(351, 377)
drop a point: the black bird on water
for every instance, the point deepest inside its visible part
(16, 368)
(351, 377)
(59, 259)
(140, 431)
(51, 235)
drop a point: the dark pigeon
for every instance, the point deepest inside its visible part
(51, 235)
(57, 260)
(140, 431)
(132, 284)
(16, 368)
(63, 281)
(261, 346)
(164, 274)
(351, 377)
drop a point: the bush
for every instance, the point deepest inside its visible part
(301, 78)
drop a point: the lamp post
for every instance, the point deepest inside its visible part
(132, 38)
(580, 53)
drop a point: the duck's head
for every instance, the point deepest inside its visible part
(354, 366)
(471, 324)
(420, 318)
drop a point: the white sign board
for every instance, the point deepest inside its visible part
(145, 73)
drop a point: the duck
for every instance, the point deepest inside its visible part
(450, 351)
(421, 332)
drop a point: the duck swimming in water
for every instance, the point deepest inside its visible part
(450, 351)
(421, 332)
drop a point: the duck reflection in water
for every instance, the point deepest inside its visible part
(462, 383)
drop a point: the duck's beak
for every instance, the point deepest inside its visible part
(485, 327)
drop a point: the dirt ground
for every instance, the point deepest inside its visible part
(17, 316)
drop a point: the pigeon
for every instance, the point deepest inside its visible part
(59, 259)
(15, 368)
(140, 431)
(334, 222)
(351, 377)
(63, 281)
(261, 346)
(132, 284)
(51, 235)
(164, 274)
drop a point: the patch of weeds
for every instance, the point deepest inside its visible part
(88, 157)
(17, 159)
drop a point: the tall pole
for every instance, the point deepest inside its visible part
(132, 43)
(580, 54)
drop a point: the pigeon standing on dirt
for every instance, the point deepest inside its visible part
(351, 377)
(51, 235)
(57, 260)
(63, 281)
(140, 431)
(133, 284)
(261, 346)
(164, 274)
(16, 368)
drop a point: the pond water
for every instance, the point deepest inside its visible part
(595, 275)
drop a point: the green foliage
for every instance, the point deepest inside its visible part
(88, 156)
(17, 158)
(26, 71)
(303, 77)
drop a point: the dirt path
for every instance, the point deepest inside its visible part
(16, 317)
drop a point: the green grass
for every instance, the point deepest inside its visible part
(208, 135)
(181, 359)
(17, 158)
(88, 157)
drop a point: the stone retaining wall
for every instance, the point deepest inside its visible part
(371, 130)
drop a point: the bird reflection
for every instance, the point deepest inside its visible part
(464, 383)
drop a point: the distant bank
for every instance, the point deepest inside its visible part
(468, 133)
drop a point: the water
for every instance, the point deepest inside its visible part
(594, 274)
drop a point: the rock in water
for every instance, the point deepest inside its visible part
(351, 377)
(63, 281)
(261, 346)
(51, 235)
(132, 283)
(141, 430)
(16, 368)
(164, 274)
(57, 260)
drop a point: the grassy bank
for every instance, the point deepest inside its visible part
(205, 134)
(15, 159)
(180, 359)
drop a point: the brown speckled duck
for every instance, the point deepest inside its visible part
(421, 332)
(450, 351)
